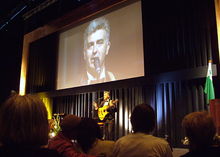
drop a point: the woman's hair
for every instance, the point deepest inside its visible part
(199, 128)
(88, 132)
(143, 118)
(23, 121)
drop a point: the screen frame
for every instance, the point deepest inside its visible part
(93, 9)
(75, 33)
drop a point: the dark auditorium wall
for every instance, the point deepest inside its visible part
(180, 37)
(11, 39)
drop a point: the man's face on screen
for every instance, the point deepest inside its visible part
(97, 48)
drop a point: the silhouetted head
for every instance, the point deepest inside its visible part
(69, 126)
(200, 129)
(89, 131)
(143, 118)
(23, 121)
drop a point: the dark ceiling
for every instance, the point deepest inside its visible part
(7, 6)
(11, 10)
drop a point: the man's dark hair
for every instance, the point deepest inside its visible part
(89, 132)
(143, 118)
(69, 125)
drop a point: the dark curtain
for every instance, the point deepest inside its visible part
(170, 100)
(41, 74)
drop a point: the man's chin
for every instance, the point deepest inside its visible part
(92, 71)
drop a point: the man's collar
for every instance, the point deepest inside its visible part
(92, 78)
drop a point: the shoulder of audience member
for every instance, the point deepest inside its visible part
(107, 142)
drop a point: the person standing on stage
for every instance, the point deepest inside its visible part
(106, 113)
(96, 48)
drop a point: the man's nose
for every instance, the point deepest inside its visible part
(94, 49)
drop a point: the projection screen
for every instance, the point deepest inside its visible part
(104, 49)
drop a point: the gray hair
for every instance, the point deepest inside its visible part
(96, 24)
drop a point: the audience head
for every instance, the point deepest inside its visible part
(199, 128)
(89, 131)
(69, 126)
(23, 121)
(143, 118)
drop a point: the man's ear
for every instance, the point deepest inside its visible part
(108, 47)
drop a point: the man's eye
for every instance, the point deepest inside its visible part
(90, 44)
(101, 41)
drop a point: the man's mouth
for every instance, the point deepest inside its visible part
(96, 62)
(94, 59)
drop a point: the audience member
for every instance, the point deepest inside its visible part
(24, 128)
(90, 139)
(141, 143)
(63, 142)
(200, 130)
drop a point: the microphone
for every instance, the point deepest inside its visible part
(97, 65)
(100, 98)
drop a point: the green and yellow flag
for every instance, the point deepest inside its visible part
(209, 88)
